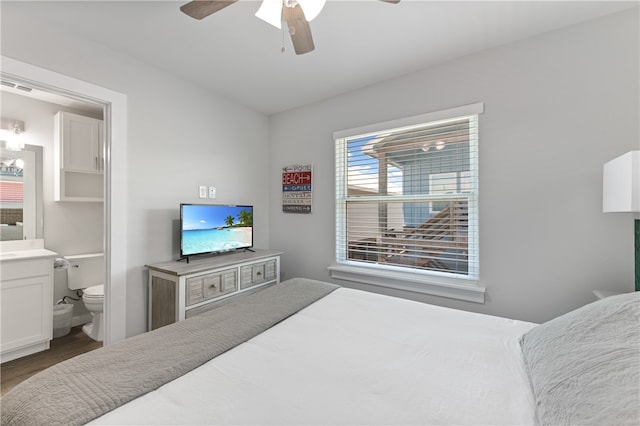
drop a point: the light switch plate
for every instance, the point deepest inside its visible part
(203, 191)
(212, 192)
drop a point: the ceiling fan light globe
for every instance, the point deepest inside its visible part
(270, 11)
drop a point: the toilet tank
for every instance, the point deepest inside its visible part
(85, 270)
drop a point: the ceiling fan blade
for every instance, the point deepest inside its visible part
(199, 9)
(299, 29)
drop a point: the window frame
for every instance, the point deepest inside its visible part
(457, 286)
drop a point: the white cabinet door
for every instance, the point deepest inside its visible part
(82, 147)
(25, 318)
(26, 308)
(79, 158)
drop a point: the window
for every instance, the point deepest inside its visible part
(442, 183)
(407, 196)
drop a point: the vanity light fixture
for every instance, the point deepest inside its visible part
(11, 132)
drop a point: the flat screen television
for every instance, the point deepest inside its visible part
(214, 228)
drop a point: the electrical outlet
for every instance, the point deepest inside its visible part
(203, 191)
(212, 192)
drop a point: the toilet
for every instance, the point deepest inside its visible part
(86, 273)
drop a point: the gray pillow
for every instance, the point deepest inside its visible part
(584, 366)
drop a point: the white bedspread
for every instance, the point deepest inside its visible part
(355, 358)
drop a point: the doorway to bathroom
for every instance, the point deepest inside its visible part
(113, 221)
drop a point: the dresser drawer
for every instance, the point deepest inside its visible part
(194, 292)
(209, 286)
(270, 270)
(229, 281)
(220, 283)
(246, 276)
(258, 273)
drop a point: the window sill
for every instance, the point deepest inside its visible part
(444, 286)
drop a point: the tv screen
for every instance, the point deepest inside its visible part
(212, 228)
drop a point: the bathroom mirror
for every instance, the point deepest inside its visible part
(21, 193)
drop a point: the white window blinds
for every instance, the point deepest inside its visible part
(406, 197)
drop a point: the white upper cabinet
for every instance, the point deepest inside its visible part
(82, 147)
(79, 155)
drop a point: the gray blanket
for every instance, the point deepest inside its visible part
(89, 385)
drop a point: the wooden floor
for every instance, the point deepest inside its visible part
(65, 347)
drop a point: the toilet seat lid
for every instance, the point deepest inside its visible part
(95, 291)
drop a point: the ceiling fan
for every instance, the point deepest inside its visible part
(296, 14)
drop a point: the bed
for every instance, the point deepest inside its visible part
(308, 352)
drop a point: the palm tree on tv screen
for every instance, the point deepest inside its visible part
(246, 218)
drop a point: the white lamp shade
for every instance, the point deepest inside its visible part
(271, 11)
(621, 184)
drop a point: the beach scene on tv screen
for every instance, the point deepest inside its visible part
(212, 228)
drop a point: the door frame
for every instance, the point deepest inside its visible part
(115, 178)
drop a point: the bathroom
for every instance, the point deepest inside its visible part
(70, 228)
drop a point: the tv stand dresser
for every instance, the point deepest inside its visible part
(179, 290)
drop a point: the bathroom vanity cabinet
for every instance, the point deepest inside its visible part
(79, 158)
(179, 290)
(26, 287)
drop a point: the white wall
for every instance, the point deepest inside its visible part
(179, 136)
(557, 107)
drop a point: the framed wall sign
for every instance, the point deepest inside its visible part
(297, 188)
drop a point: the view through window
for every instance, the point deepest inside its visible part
(407, 198)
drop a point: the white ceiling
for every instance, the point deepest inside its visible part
(358, 43)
